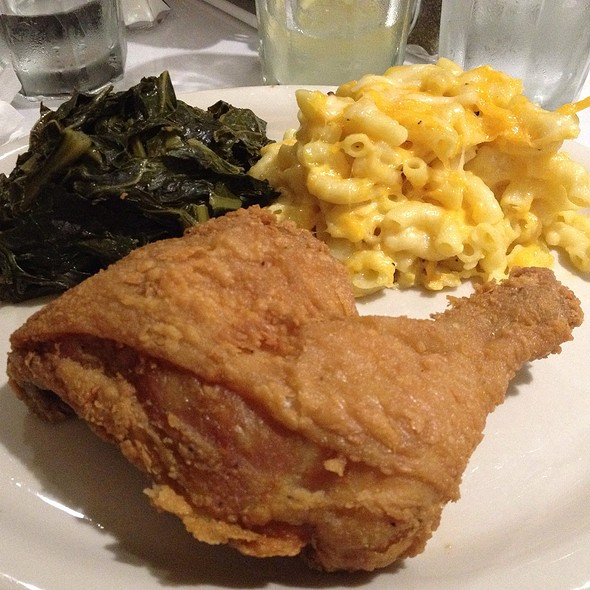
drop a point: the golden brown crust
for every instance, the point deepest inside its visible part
(232, 367)
(158, 294)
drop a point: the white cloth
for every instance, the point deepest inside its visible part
(11, 121)
(142, 14)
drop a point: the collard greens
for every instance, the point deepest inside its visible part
(107, 173)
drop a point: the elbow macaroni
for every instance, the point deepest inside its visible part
(429, 175)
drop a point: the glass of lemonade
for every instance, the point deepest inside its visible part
(544, 43)
(58, 46)
(330, 41)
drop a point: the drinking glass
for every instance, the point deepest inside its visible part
(544, 43)
(58, 46)
(330, 41)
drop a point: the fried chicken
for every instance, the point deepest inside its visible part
(232, 367)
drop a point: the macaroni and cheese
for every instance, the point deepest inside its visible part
(428, 175)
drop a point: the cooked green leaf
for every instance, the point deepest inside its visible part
(109, 172)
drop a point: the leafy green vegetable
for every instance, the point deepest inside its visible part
(110, 172)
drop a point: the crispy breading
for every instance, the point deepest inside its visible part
(232, 367)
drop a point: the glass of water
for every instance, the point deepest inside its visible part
(330, 42)
(544, 43)
(59, 46)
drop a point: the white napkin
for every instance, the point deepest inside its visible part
(142, 14)
(10, 119)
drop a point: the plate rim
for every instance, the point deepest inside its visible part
(248, 90)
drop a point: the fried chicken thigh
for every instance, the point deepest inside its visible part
(232, 367)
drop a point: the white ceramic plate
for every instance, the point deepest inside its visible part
(73, 515)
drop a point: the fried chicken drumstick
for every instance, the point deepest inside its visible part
(232, 367)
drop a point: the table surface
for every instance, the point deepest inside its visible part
(204, 48)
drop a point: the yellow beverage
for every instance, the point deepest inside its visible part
(330, 41)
